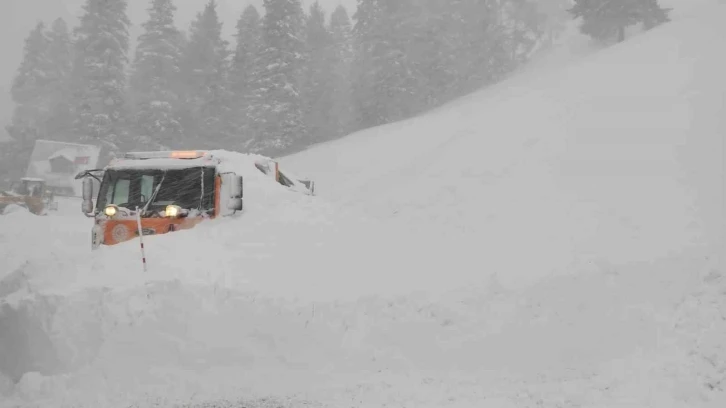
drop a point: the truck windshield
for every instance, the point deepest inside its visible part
(190, 188)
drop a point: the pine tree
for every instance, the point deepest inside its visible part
(398, 80)
(205, 72)
(433, 49)
(282, 61)
(60, 57)
(155, 79)
(245, 74)
(608, 20)
(524, 29)
(391, 61)
(452, 39)
(482, 56)
(99, 79)
(30, 89)
(367, 110)
(317, 88)
(415, 55)
(341, 33)
(41, 94)
(30, 94)
(557, 17)
(652, 14)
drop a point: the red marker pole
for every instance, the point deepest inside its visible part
(141, 237)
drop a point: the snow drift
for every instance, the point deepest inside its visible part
(550, 241)
(617, 156)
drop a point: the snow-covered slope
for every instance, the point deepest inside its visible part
(550, 242)
(617, 156)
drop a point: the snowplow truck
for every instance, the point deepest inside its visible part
(153, 193)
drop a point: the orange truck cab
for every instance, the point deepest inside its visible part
(154, 193)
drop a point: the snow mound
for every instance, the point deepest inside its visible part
(617, 156)
(284, 262)
(241, 251)
(14, 209)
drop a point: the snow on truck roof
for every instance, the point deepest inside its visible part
(165, 160)
(241, 163)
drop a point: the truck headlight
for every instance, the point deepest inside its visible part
(110, 210)
(172, 211)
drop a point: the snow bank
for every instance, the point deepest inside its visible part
(173, 342)
(617, 156)
(279, 233)
(285, 261)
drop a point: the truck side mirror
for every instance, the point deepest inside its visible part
(87, 205)
(236, 192)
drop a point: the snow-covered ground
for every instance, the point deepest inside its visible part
(552, 241)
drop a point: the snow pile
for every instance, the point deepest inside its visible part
(701, 326)
(68, 309)
(548, 242)
(333, 247)
(618, 156)
(185, 343)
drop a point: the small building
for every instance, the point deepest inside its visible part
(58, 163)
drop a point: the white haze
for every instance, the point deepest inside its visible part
(20, 16)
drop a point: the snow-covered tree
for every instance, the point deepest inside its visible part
(155, 79)
(245, 74)
(341, 30)
(60, 57)
(524, 27)
(32, 103)
(368, 18)
(317, 88)
(607, 20)
(396, 53)
(415, 55)
(99, 77)
(435, 37)
(652, 14)
(249, 43)
(40, 91)
(282, 61)
(205, 72)
(341, 33)
(482, 55)
(30, 89)
(398, 80)
(557, 17)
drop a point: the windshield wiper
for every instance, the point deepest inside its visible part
(153, 196)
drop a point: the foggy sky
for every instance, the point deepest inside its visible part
(18, 17)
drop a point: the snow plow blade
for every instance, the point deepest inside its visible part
(272, 169)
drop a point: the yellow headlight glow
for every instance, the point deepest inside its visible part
(172, 211)
(110, 210)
